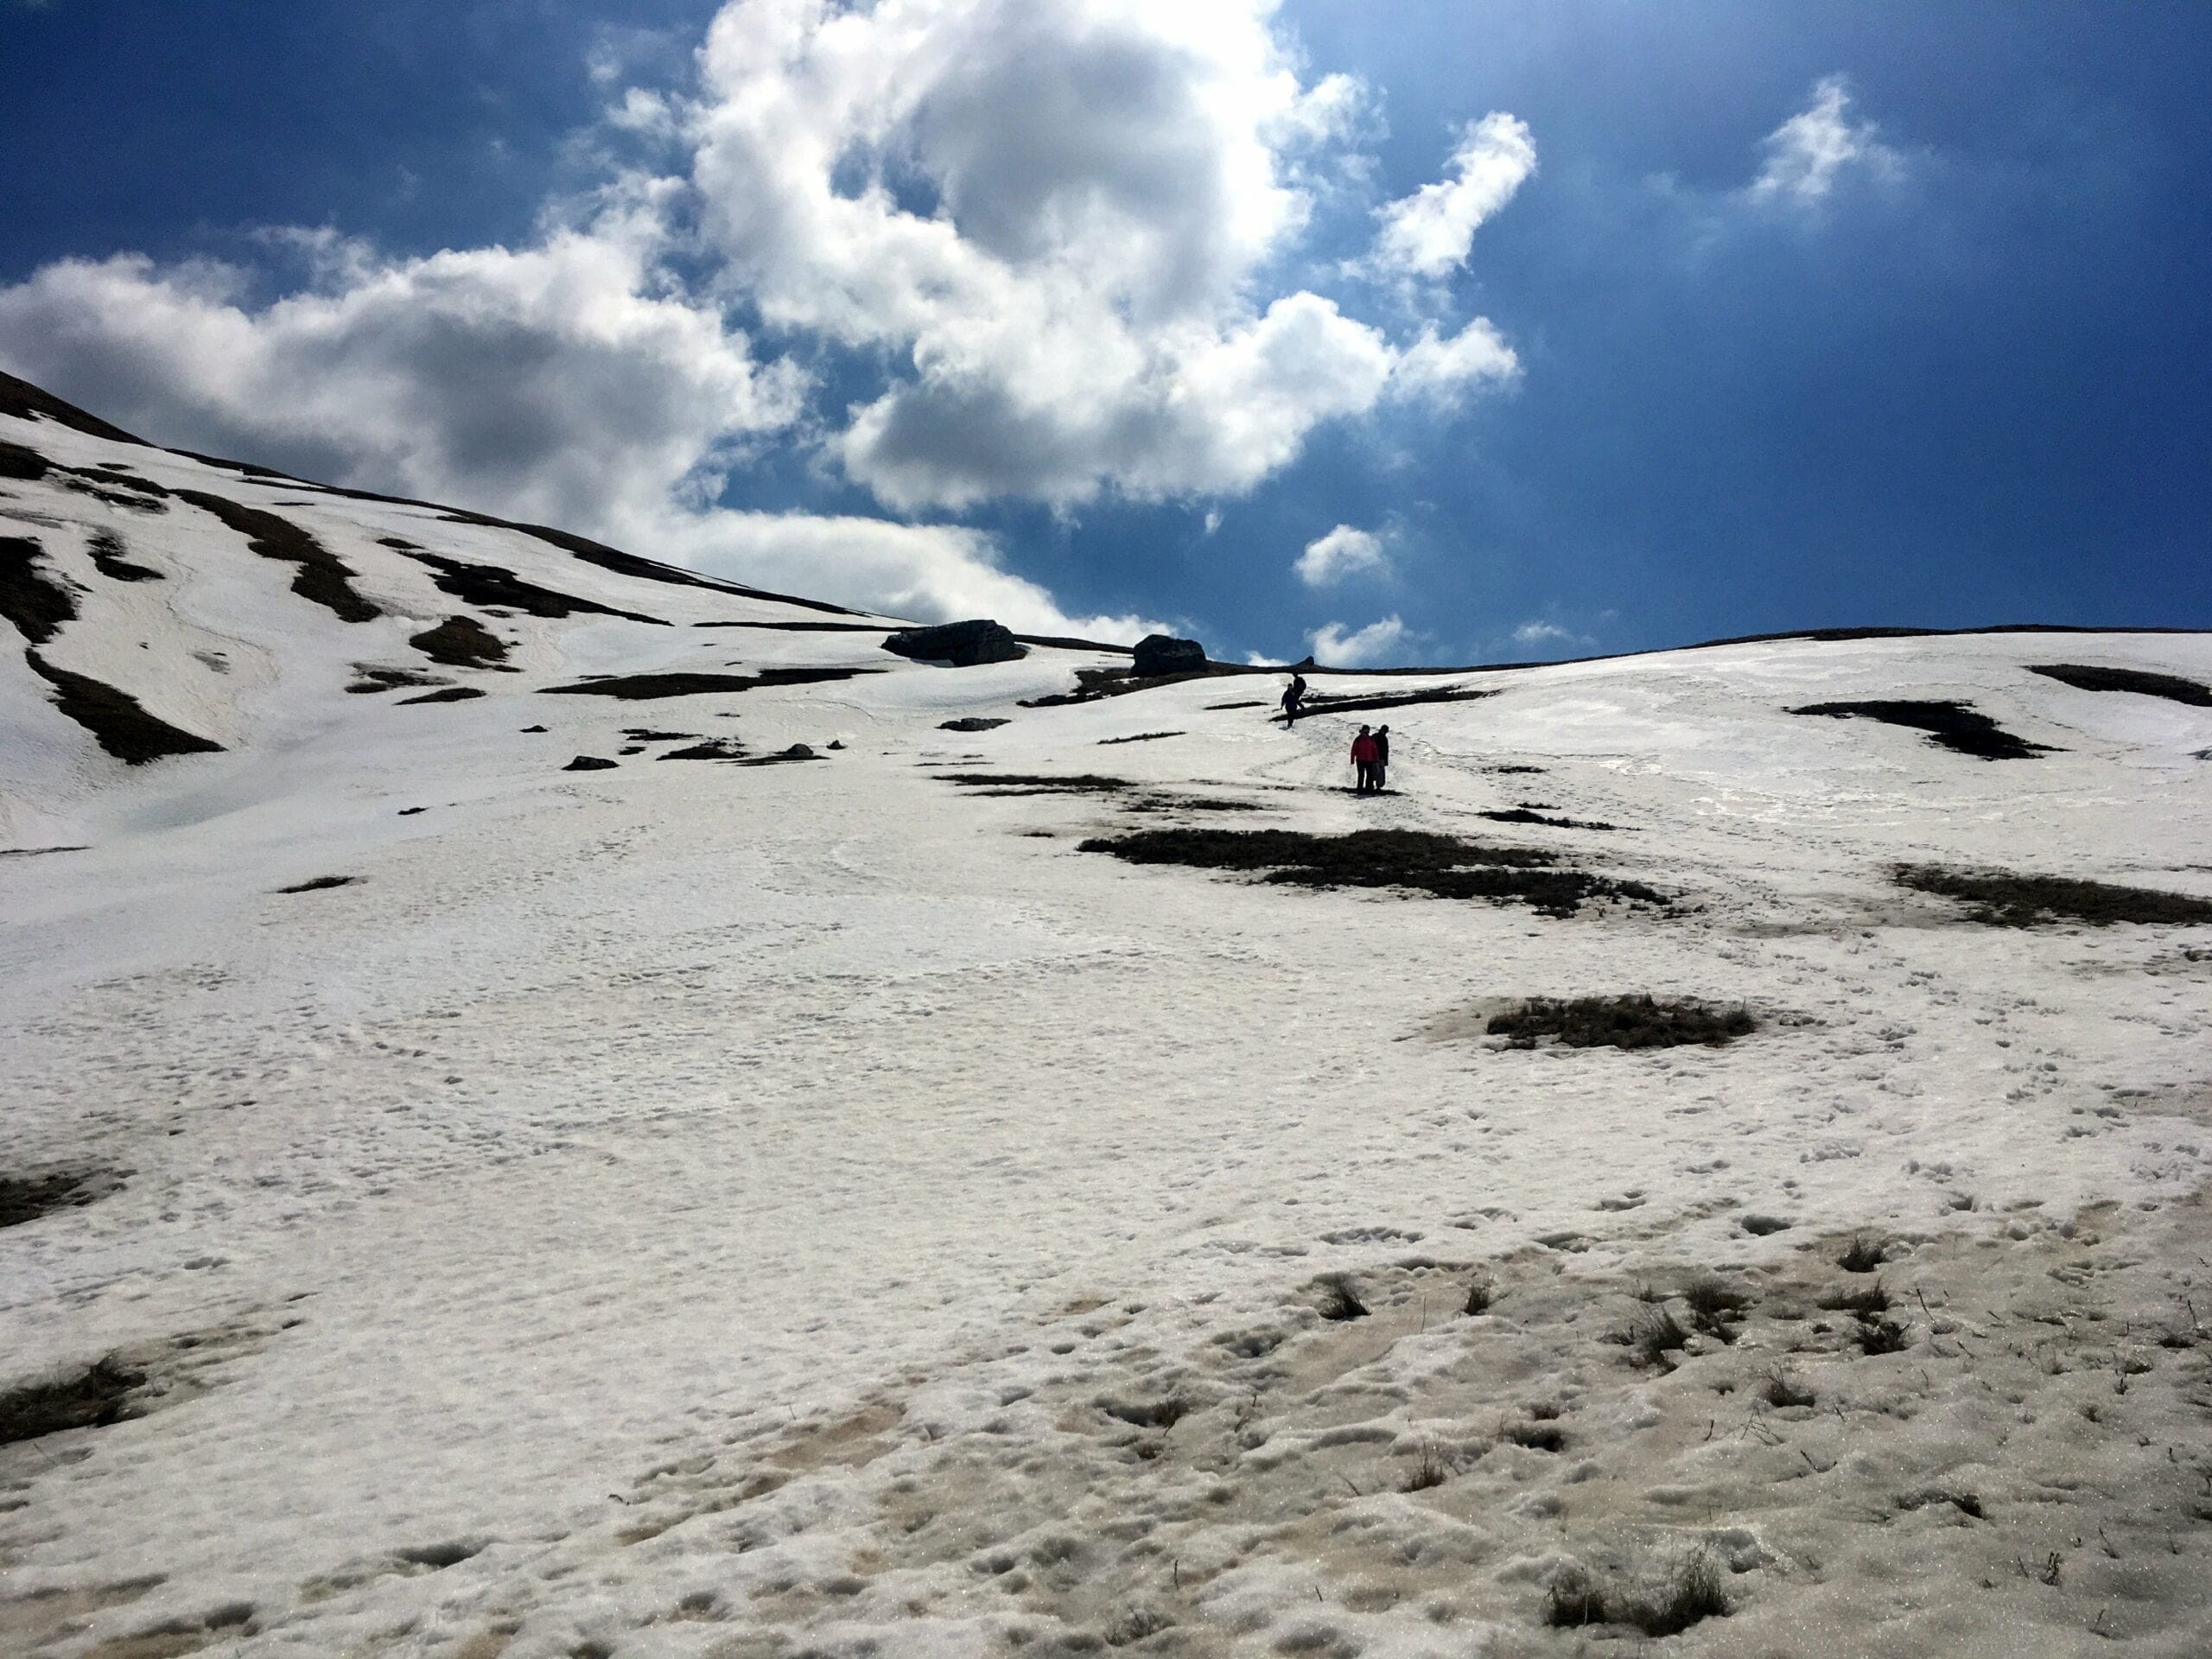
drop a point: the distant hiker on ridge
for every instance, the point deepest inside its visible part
(1381, 769)
(1363, 760)
(1292, 694)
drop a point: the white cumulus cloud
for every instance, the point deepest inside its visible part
(1428, 234)
(1344, 551)
(1806, 154)
(1362, 648)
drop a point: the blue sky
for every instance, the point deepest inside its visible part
(1796, 315)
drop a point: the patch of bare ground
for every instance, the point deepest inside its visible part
(1998, 1452)
(2087, 676)
(321, 577)
(372, 678)
(32, 597)
(495, 586)
(107, 554)
(118, 722)
(2003, 899)
(687, 683)
(321, 883)
(1959, 726)
(91, 1398)
(26, 1197)
(461, 642)
(1637, 1022)
(1444, 866)
(1368, 702)
(1525, 815)
(447, 694)
(1139, 737)
(1028, 783)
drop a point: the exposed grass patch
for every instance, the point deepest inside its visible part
(26, 1197)
(1537, 1437)
(374, 677)
(1481, 1293)
(1621, 1022)
(1714, 1303)
(1340, 1298)
(1445, 867)
(461, 642)
(32, 597)
(2000, 898)
(92, 1398)
(1957, 726)
(1881, 1336)
(116, 719)
(106, 549)
(321, 577)
(2085, 677)
(1026, 783)
(685, 684)
(1690, 1594)
(1371, 700)
(1525, 815)
(496, 586)
(1656, 1335)
(1860, 1255)
(1431, 1469)
(1781, 1389)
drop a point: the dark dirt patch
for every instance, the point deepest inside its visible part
(2000, 898)
(647, 734)
(1445, 867)
(683, 684)
(375, 678)
(26, 1197)
(1957, 726)
(107, 559)
(321, 883)
(972, 723)
(448, 694)
(494, 585)
(714, 748)
(589, 763)
(25, 465)
(31, 596)
(1024, 783)
(1252, 702)
(323, 577)
(1512, 770)
(461, 642)
(116, 719)
(135, 493)
(92, 1398)
(1764, 1226)
(1190, 804)
(2085, 677)
(1141, 737)
(1523, 815)
(37, 852)
(1325, 705)
(1620, 1022)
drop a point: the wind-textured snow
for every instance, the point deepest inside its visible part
(703, 1208)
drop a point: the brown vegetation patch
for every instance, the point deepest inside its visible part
(685, 684)
(106, 549)
(2001, 898)
(31, 596)
(1640, 1022)
(91, 1398)
(495, 585)
(461, 642)
(1956, 726)
(116, 719)
(1444, 866)
(2086, 676)
(323, 577)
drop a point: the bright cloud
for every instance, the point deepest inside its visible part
(1040, 231)
(1428, 234)
(1363, 648)
(1806, 153)
(1054, 216)
(1343, 552)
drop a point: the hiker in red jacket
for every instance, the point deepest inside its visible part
(1363, 756)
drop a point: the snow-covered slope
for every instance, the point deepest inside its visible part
(710, 1207)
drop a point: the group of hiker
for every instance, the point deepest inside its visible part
(1370, 750)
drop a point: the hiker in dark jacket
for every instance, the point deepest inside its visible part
(1362, 761)
(1292, 694)
(1382, 766)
